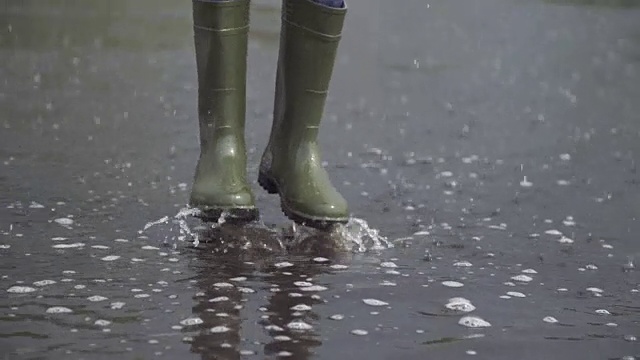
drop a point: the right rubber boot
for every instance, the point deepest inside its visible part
(221, 38)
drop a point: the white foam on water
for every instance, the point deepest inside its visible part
(550, 319)
(336, 317)
(359, 332)
(301, 307)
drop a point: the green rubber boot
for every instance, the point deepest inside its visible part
(221, 35)
(291, 165)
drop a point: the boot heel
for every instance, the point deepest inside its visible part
(267, 184)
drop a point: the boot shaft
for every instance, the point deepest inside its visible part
(221, 36)
(309, 41)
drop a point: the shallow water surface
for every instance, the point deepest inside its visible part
(487, 149)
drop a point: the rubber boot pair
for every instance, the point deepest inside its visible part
(291, 164)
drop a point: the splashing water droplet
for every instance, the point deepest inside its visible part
(358, 232)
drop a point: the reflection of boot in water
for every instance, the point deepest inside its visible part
(223, 297)
(291, 164)
(221, 32)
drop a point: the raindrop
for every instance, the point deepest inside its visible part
(336, 317)
(110, 258)
(339, 267)
(320, 260)
(359, 332)
(96, 298)
(102, 322)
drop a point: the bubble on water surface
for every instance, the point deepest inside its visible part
(339, 267)
(452, 284)
(20, 289)
(359, 332)
(58, 310)
(299, 325)
(603, 312)
(102, 322)
(374, 302)
(44, 282)
(97, 298)
(110, 258)
(301, 307)
(388, 264)
(516, 294)
(522, 278)
(219, 329)
(336, 317)
(282, 265)
(462, 264)
(117, 305)
(460, 304)
(64, 221)
(191, 321)
(68, 246)
(473, 322)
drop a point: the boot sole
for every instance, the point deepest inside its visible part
(321, 223)
(231, 215)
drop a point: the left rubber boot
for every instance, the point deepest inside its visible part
(291, 164)
(221, 38)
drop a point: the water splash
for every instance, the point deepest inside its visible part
(358, 232)
(355, 235)
(185, 233)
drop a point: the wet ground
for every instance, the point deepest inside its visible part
(493, 143)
